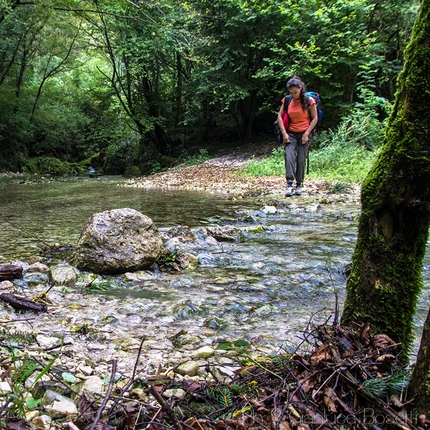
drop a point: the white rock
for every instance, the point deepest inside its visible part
(47, 341)
(189, 368)
(93, 384)
(140, 275)
(228, 370)
(5, 388)
(313, 207)
(57, 405)
(42, 421)
(204, 352)
(63, 274)
(6, 286)
(86, 370)
(30, 381)
(175, 392)
(269, 209)
(62, 408)
(31, 415)
(152, 344)
(38, 267)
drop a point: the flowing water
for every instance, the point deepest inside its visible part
(288, 267)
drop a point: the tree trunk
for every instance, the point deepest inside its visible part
(420, 386)
(386, 275)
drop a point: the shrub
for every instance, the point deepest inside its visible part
(47, 165)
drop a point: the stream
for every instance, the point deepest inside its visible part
(288, 268)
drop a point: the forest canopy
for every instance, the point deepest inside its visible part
(116, 83)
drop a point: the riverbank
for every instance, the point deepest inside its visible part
(225, 174)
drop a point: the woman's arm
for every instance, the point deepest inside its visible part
(312, 124)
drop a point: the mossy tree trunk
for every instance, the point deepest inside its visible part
(420, 382)
(386, 275)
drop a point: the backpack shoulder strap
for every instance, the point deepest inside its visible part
(287, 101)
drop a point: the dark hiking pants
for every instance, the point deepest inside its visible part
(295, 157)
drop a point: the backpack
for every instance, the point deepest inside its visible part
(317, 99)
(287, 101)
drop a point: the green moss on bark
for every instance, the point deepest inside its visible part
(386, 275)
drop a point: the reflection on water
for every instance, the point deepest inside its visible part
(41, 214)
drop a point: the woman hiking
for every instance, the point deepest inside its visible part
(302, 113)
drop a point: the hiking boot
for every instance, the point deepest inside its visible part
(289, 192)
(298, 191)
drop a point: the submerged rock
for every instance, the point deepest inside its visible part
(117, 241)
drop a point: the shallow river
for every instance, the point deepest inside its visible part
(264, 288)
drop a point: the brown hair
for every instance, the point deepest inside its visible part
(297, 82)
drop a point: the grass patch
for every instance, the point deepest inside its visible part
(344, 155)
(331, 163)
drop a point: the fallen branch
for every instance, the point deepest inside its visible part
(21, 303)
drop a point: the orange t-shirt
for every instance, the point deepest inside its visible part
(299, 118)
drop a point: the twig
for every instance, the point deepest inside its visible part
(127, 386)
(108, 393)
(166, 408)
(56, 346)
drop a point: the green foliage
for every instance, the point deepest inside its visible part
(97, 286)
(14, 337)
(122, 154)
(132, 171)
(220, 395)
(380, 387)
(338, 187)
(168, 258)
(73, 86)
(272, 166)
(342, 153)
(239, 345)
(199, 158)
(48, 165)
(22, 372)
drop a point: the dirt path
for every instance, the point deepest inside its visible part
(222, 174)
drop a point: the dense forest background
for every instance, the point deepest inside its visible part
(121, 84)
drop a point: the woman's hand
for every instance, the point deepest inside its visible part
(305, 138)
(286, 138)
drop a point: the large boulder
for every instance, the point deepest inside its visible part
(117, 241)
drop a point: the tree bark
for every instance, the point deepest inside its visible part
(420, 382)
(386, 275)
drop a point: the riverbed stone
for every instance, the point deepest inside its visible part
(5, 388)
(36, 278)
(179, 393)
(189, 368)
(6, 286)
(204, 352)
(268, 209)
(93, 385)
(227, 233)
(38, 267)
(62, 408)
(117, 241)
(63, 274)
(57, 405)
(42, 421)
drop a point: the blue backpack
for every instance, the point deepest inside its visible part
(317, 99)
